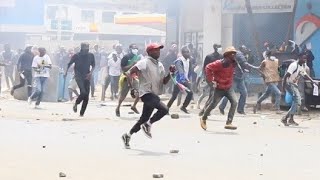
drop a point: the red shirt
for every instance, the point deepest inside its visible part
(222, 75)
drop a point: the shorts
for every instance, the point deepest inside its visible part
(124, 87)
(73, 84)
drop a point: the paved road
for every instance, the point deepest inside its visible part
(39, 144)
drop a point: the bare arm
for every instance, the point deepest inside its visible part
(284, 82)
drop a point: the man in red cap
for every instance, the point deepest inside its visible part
(152, 80)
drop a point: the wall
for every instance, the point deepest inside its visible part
(307, 31)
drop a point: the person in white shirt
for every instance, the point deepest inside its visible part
(114, 65)
(41, 65)
(290, 84)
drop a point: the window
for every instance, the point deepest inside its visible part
(108, 17)
(51, 12)
(87, 16)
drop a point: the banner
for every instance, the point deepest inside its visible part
(258, 6)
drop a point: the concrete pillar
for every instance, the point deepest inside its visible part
(212, 25)
(227, 30)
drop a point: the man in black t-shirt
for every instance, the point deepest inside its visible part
(84, 66)
(127, 62)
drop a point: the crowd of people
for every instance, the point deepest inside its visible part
(147, 75)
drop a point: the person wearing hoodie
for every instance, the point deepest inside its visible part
(24, 67)
(183, 73)
(269, 68)
(84, 65)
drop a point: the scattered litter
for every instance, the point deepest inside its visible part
(261, 154)
(131, 112)
(255, 122)
(175, 116)
(300, 131)
(157, 176)
(37, 119)
(174, 151)
(61, 174)
(43, 146)
(198, 141)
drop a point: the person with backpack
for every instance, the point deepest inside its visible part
(290, 84)
(269, 68)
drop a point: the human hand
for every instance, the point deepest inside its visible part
(172, 68)
(88, 77)
(214, 84)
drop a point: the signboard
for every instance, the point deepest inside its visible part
(7, 3)
(258, 6)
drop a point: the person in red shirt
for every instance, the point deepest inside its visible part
(220, 75)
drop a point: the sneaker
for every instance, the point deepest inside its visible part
(117, 112)
(203, 124)
(221, 111)
(184, 110)
(284, 121)
(242, 112)
(135, 110)
(292, 122)
(75, 109)
(126, 140)
(230, 126)
(29, 100)
(147, 130)
(37, 107)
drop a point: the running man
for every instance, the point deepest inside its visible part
(84, 65)
(220, 76)
(152, 80)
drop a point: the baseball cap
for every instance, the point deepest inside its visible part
(154, 46)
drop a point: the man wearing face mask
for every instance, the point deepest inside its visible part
(152, 80)
(83, 69)
(183, 76)
(127, 62)
(220, 76)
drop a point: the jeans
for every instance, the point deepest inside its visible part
(216, 98)
(114, 80)
(40, 82)
(28, 77)
(296, 98)
(84, 86)
(105, 85)
(271, 88)
(238, 84)
(175, 93)
(150, 102)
